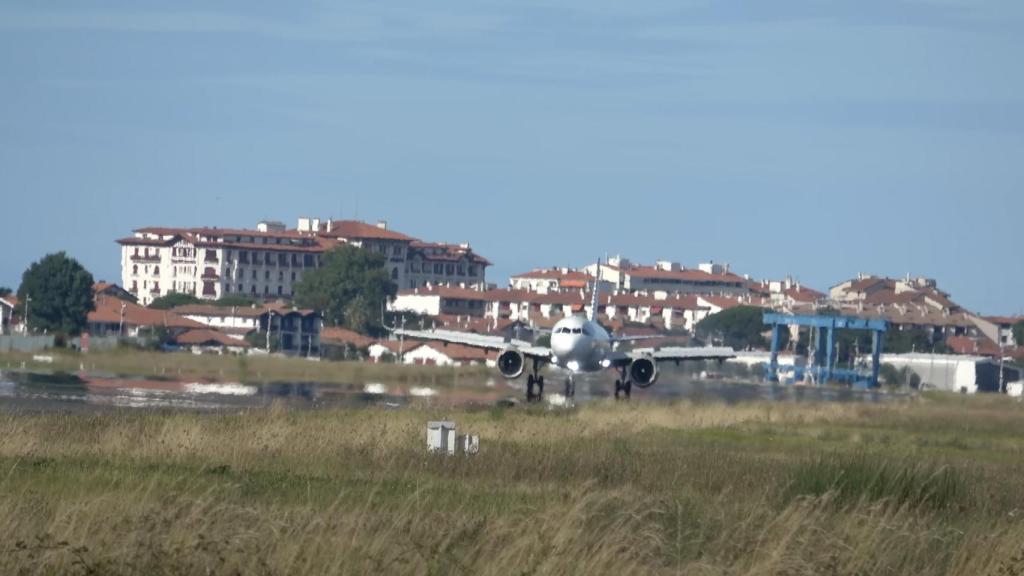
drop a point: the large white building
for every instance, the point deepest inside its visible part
(954, 373)
(665, 276)
(267, 262)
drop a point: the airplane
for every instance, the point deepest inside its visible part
(579, 344)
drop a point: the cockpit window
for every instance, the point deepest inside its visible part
(577, 331)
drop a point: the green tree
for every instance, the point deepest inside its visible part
(912, 340)
(5, 291)
(741, 328)
(1018, 333)
(172, 299)
(350, 288)
(61, 294)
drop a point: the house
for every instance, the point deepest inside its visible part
(438, 354)
(111, 289)
(344, 344)
(295, 331)
(999, 329)
(708, 278)
(544, 280)
(205, 340)
(113, 316)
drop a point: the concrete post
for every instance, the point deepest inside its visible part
(773, 368)
(877, 339)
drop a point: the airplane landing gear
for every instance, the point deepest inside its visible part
(570, 386)
(534, 380)
(623, 386)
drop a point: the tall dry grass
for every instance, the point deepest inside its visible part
(608, 489)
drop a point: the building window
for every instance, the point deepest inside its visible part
(135, 269)
(394, 273)
(241, 287)
(266, 274)
(253, 274)
(280, 290)
(293, 276)
(472, 270)
(266, 290)
(438, 268)
(280, 276)
(252, 290)
(156, 270)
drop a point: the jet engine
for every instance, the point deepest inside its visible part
(511, 364)
(643, 372)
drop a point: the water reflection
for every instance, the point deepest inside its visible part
(41, 392)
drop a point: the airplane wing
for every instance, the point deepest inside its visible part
(639, 338)
(679, 353)
(484, 341)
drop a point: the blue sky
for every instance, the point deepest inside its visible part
(805, 137)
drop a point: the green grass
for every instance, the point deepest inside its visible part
(181, 365)
(931, 486)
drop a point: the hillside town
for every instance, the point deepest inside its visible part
(445, 286)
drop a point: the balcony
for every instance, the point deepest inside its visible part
(145, 257)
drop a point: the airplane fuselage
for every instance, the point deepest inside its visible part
(580, 345)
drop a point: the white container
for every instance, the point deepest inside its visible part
(441, 436)
(469, 444)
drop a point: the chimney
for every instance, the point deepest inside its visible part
(382, 224)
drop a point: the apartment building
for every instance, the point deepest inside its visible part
(269, 261)
(666, 276)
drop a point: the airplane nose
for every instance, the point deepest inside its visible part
(561, 345)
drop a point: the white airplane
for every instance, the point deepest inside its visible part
(578, 344)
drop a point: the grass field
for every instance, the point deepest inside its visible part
(929, 486)
(252, 369)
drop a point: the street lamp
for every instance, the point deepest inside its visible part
(270, 323)
(28, 300)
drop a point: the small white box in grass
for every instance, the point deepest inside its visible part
(469, 444)
(441, 436)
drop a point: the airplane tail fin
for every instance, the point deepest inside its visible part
(595, 294)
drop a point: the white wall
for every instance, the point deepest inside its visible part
(428, 304)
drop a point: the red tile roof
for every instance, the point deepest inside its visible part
(684, 275)
(208, 337)
(1004, 320)
(444, 252)
(238, 311)
(109, 311)
(337, 335)
(556, 274)
(356, 230)
(456, 352)
(973, 346)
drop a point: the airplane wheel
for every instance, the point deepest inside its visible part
(529, 388)
(540, 386)
(623, 388)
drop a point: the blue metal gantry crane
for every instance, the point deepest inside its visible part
(824, 337)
